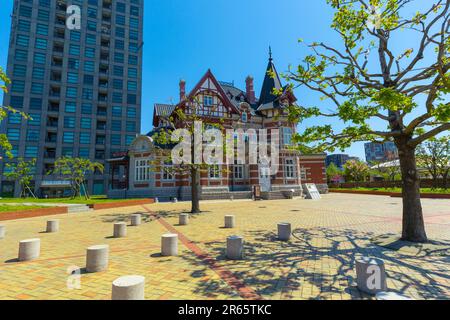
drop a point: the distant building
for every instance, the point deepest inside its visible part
(81, 88)
(338, 159)
(380, 152)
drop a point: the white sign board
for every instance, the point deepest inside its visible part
(311, 191)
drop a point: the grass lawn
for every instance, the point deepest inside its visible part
(399, 190)
(93, 200)
(6, 208)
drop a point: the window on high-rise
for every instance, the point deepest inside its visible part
(85, 137)
(43, 15)
(71, 92)
(71, 107)
(32, 135)
(21, 55)
(37, 88)
(31, 152)
(25, 11)
(41, 44)
(132, 73)
(39, 58)
(35, 119)
(13, 134)
(42, 29)
(22, 40)
(24, 25)
(38, 73)
(20, 70)
(85, 123)
(68, 137)
(14, 118)
(35, 103)
(74, 50)
(69, 122)
(116, 111)
(91, 39)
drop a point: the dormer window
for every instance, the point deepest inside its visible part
(208, 101)
(244, 117)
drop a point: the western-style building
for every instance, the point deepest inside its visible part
(142, 172)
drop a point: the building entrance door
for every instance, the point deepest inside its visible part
(264, 176)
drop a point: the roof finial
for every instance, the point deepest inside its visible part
(270, 53)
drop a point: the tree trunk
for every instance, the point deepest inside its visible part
(195, 189)
(413, 224)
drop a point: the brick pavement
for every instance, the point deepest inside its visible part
(316, 264)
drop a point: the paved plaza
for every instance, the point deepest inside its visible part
(317, 263)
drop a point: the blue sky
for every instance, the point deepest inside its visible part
(182, 39)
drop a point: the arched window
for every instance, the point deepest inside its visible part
(244, 117)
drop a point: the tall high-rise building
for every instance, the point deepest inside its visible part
(380, 152)
(81, 88)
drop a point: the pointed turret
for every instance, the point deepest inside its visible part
(267, 98)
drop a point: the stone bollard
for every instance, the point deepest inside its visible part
(136, 220)
(128, 288)
(2, 231)
(230, 222)
(184, 219)
(97, 258)
(370, 275)
(29, 249)
(235, 247)
(284, 231)
(169, 244)
(391, 296)
(52, 226)
(120, 230)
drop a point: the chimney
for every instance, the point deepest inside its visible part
(182, 89)
(250, 91)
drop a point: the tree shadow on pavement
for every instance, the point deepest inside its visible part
(318, 263)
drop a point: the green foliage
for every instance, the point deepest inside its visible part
(434, 156)
(364, 78)
(390, 172)
(22, 172)
(334, 174)
(5, 146)
(356, 171)
(75, 170)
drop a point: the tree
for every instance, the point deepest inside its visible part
(334, 174)
(356, 171)
(390, 171)
(164, 142)
(434, 156)
(75, 170)
(22, 172)
(5, 146)
(366, 78)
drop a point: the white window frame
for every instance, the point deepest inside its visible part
(208, 101)
(167, 175)
(303, 174)
(244, 117)
(289, 168)
(287, 136)
(142, 170)
(238, 172)
(214, 172)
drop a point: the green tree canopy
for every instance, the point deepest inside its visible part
(75, 171)
(366, 79)
(22, 172)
